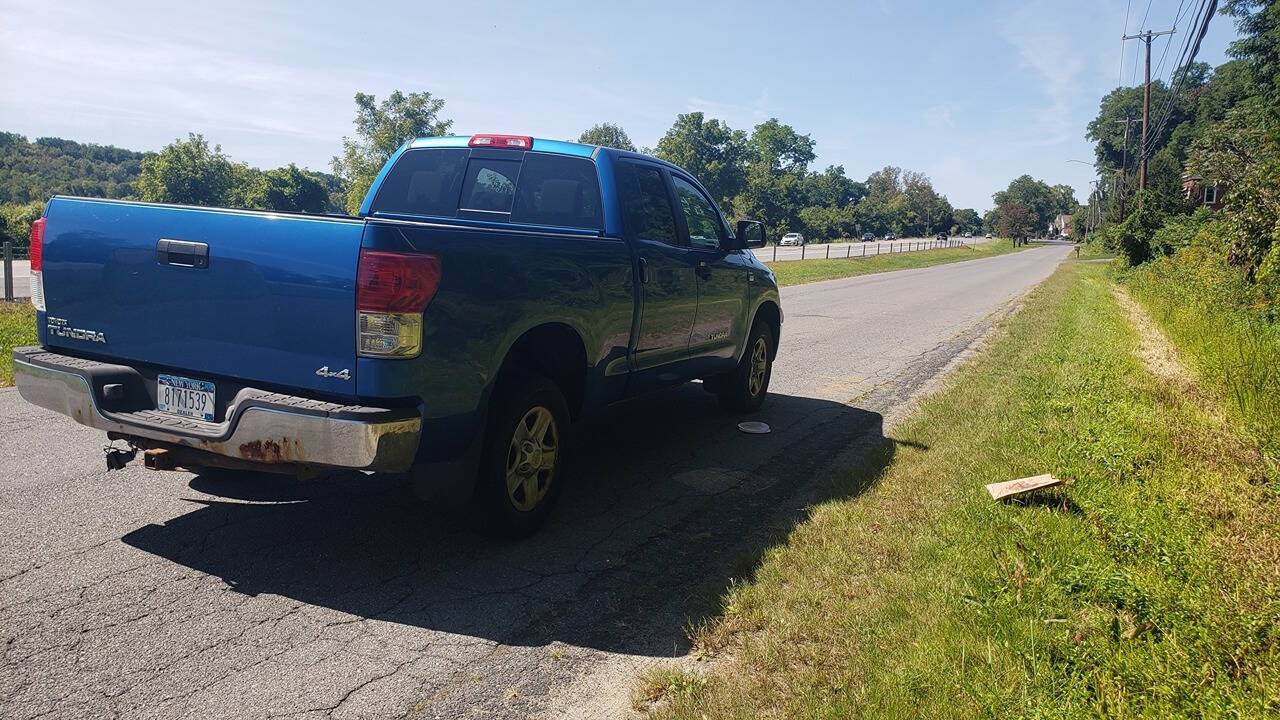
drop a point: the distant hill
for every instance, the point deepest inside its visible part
(50, 166)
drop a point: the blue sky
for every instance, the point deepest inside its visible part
(971, 93)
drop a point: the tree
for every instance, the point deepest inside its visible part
(832, 188)
(1017, 221)
(777, 167)
(991, 220)
(1034, 195)
(381, 128)
(187, 172)
(927, 211)
(1258, 25)
(711, 151)
(966, 220)
(287, 189)
(607, 135)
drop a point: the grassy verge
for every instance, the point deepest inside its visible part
(17, 328)
(796, 272)
(1146, 588)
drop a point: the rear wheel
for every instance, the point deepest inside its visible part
(744, 388)
(524, 449)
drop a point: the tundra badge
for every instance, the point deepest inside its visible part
(61, 328)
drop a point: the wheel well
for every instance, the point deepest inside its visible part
(555, 351)
(768, 313)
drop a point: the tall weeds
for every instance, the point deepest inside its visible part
(1233, 346)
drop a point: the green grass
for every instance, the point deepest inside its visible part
(797, 272)
(1145, 588)
(17, 328)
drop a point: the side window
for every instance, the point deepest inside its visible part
(557, 190)
(646, 206)
(704, 225)
(490, 185)
(423, 182)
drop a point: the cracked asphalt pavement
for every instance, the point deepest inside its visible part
(167, 595)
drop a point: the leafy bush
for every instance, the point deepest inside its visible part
(15, 222)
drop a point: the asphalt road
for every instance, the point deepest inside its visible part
(165, 595)
(21, 279)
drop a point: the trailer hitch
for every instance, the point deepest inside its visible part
(117, 458)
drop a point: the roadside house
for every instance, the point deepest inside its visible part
(1062, 224)
(1206, 192)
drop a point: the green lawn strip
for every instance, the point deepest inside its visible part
(797, 272)
(17, 328)
(1146, 588)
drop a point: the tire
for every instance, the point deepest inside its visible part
(744, 389)
(520, 469)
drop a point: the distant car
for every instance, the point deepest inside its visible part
(792, 239)
(968, 234)
(887, 236)
(988, 235)
(942, 236)
(867, 237)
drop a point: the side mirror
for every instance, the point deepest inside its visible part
(750, 233)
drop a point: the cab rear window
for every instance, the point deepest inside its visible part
(526, 187)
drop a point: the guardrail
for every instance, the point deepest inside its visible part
(894, 247)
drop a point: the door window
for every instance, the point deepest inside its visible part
(645, 204)
(699, 216)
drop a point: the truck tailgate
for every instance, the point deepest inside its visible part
(273, 303)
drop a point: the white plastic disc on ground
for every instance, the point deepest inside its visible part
(753, 427)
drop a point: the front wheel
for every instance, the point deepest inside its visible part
(744, 388)
(524, 449)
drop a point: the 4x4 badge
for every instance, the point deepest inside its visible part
(324, 372)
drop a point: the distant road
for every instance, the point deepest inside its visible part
(21, 279)
(850, 249)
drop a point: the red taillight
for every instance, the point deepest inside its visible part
(37, 245)
(509, 142)
(395, 282)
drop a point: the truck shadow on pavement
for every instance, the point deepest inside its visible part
(667, 504)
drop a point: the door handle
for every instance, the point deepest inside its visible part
(182, 253)
(703, 270)
(644, 270)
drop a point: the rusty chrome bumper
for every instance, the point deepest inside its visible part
(260, 426)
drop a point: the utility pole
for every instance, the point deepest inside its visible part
(1146, 104)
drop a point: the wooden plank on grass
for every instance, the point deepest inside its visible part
(1002, 490)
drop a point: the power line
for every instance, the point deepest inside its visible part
(1191, 49)
(1120, 75)
(1177, 18)
(1145, 13)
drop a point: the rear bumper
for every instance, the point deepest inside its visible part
(260, 426)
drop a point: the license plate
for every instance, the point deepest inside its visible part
(185, 397)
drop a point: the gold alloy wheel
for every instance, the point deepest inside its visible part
(531, 458)
(759, 364)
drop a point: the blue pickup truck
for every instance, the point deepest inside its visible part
(493, 289)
